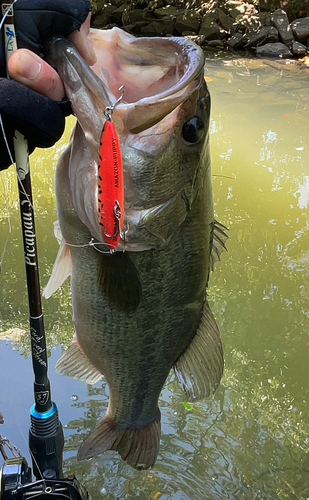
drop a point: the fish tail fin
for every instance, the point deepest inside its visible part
(138, 447)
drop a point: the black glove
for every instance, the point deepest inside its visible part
(38, 118)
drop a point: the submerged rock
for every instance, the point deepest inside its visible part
(279, 50)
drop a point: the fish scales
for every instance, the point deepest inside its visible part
(141, 310)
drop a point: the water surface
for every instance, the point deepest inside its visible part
(250, 441)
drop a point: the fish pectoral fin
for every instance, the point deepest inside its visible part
(120, 281)
(219, 238)
(61, 270)
(74, 363)
(200, 368)
(139, 447)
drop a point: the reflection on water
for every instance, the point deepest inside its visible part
(251, 440)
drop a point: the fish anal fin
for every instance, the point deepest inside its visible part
(61, 270)
(74, 363)
(219, 238)
(200, 368)
(139, 447)
(120, 281)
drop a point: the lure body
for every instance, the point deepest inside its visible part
(110, 186)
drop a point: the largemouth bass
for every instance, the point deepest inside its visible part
(141, 310)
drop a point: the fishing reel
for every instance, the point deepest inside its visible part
(16, 483)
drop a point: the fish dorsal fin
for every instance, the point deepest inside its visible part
(219, 238)
(199, 369)
(61, 271)
(74, 363)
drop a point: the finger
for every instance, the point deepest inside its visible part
(29, 69)
(83, 42)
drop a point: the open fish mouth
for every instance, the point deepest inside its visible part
(157, 74)
(150, 68)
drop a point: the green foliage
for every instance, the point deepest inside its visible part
(188, 406)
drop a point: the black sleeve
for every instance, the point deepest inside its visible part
(38, 118)
(38, 20)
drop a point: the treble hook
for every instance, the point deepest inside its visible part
(117, 214)
(110, 109)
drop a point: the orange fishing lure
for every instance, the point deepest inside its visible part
(110, 186)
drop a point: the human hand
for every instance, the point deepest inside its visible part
(28, 68)
(38, 117)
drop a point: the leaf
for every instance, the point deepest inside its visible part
(188, 406)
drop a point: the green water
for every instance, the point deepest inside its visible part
(251, 440)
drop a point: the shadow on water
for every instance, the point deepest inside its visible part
(251, 440)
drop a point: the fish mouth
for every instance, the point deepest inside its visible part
(158, 74)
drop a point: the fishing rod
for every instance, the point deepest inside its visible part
(46, 438)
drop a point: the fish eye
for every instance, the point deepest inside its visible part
(193, 130)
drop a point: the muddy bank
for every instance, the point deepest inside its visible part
(234, 26)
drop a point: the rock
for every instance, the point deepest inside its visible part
(188, 21)
(216, 43)
(281, 22)
(279, 50)
(136, 15)
(117, 3)
(239, 8)
(198, 39)
(300, 28)
(268, 34)
(129, 28)
(136, 28)
(117, 14)
(159, 28)
(245, 16)
(155, 4)
(265, 18)
(170, 11)
(104, 17)
(222, 19)
(237, 41)
(211, 30)
(299, 49)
